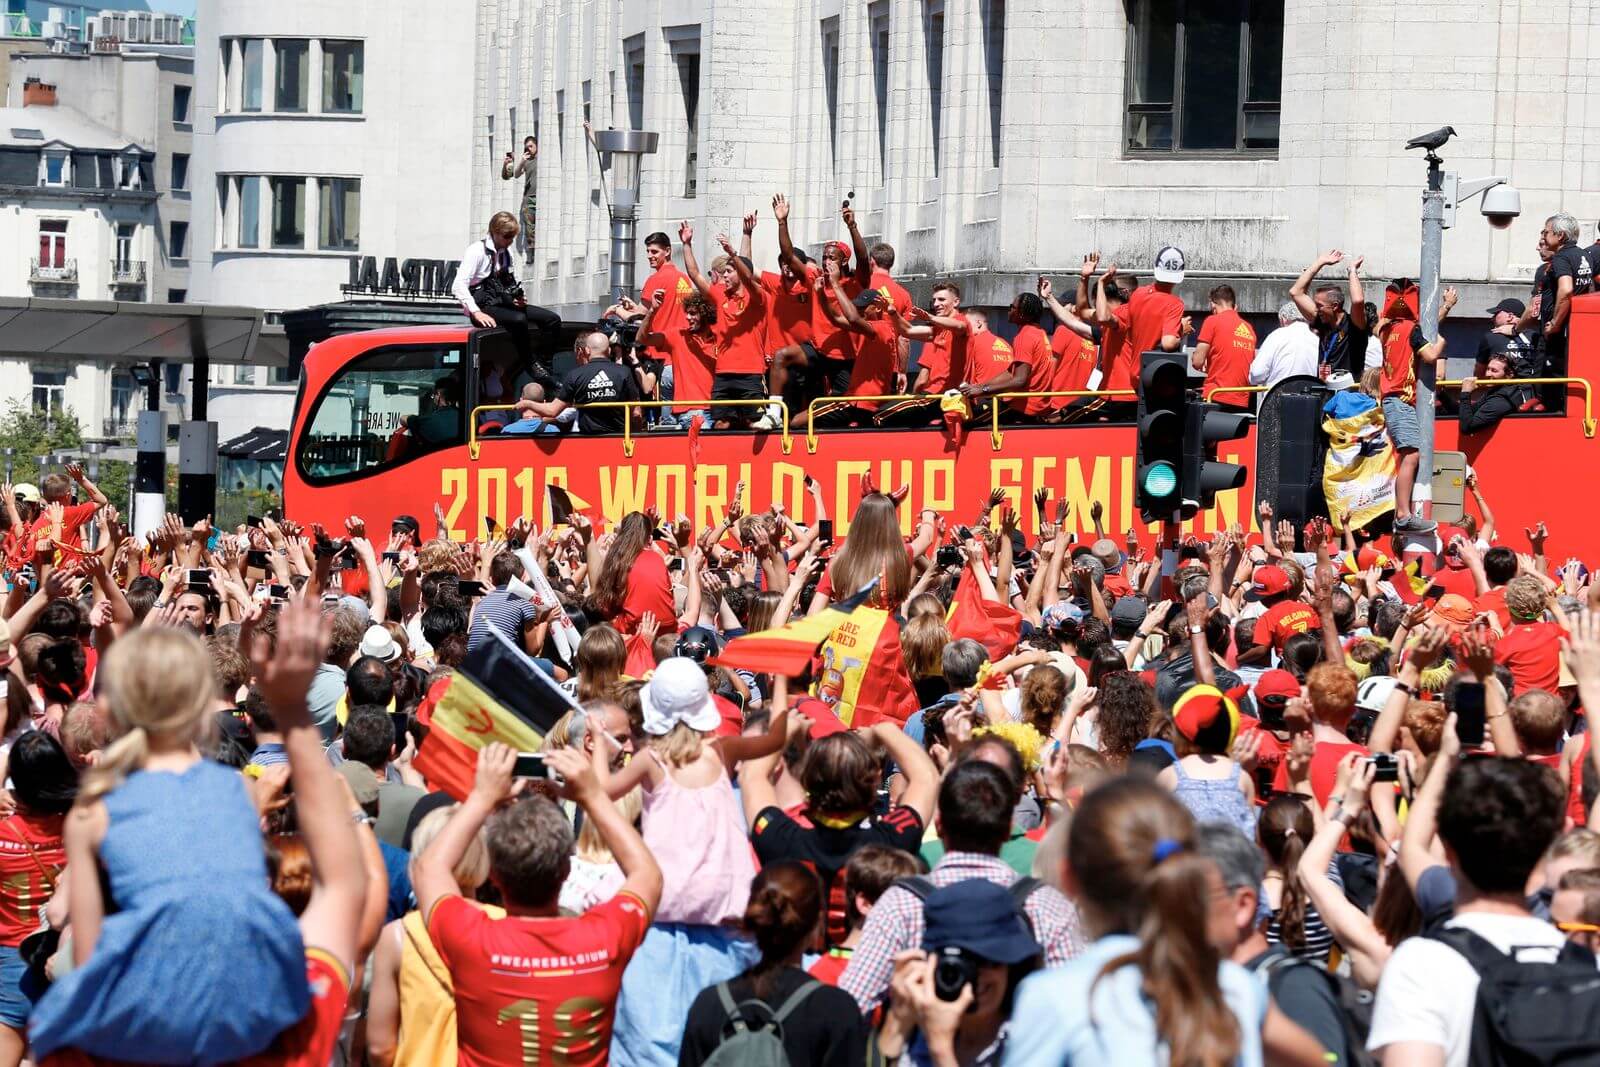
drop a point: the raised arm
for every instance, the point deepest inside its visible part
(1300, 291)
(691, 265)
(858, 245)
(1083, 302)
(1068, 317)
(746, 234)
(92, 491)
(1358, 296)
(741, 268)
(786, 252)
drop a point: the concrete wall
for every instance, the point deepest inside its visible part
(1509, 76)
(409, 146)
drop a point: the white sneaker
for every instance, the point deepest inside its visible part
(766, 423)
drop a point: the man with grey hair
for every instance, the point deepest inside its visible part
(540, 965)
(602, 722)
(961, 661)
(1288, 351)
(1342, 334)
(1237, 929)
(1568, 274)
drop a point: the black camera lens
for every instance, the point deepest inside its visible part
(953, 971)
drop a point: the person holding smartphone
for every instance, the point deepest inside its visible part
(525, 168)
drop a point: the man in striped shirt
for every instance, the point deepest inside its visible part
(512, 615)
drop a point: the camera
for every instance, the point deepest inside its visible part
(624, 334)
(950, 556)
(1501, 205)
(952, 971)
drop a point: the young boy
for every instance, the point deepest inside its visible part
(871, 870)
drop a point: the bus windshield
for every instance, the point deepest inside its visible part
(355, 427)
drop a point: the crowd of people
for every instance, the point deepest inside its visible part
(840, 326)
(1294, 799)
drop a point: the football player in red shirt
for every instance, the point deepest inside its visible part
(1032, 369)
(534, 979)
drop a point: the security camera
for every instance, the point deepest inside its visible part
(1501, 205)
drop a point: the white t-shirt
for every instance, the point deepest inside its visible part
(1428, 988)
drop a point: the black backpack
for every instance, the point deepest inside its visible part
(1528, 1014)
(1023, 888)
(1355, 1003)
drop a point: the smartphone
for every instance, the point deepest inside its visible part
(278, 592)
(470, 589)
(391, 557)
(256, 560)
(530, 765)
(825, 531)
(349, 562)
(253, 520)
(1470, 709)
(199, 576)
(1385, 767)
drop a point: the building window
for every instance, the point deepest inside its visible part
(177, 296)
(126, 233)
(633, 48)
(292, 87)
(288, 212)
(490, 119)
(50, 391)
(244, 374)
(994, 61)
(561, 121)
(878, 15)
(339, 210)
(933, 47)
(180, 171)
(688, 64)
(55, 169)
(250, 96)
(129, 176)
(180, 102)
(124, 396)
(830, 79)
(1204, 76)
(280, 376)
(342, 76)
(178, 240)
(53, 243)
(250, 212)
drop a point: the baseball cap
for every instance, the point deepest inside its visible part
(1062, 612)
(1453, 610)
(1129, 611)
(27, 492)
(1372, 556)
(1269, 580)
(824, 722)
(980, 917)
(1341, 380)
(1169, 265)
(677, 692)
(408, 523)
(1509, 304)
(379, 643)
(843, 249)
(1373, 692)
(1276, 687)
(1206, 716)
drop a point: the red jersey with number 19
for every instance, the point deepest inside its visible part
(537, 990)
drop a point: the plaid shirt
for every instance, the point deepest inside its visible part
(895, 924)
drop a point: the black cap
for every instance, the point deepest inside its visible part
(406, 522)
(1511, 304)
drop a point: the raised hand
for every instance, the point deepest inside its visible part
(780, 207)
(750, 222)
(1091, 263)
(685, 232)
(1045, 288)
(1536, 537)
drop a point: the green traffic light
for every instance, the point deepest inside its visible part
(1160, 479)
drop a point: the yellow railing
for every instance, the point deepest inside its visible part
(1491, 383)
(1211, 395)
(474, 444)
(996, 438)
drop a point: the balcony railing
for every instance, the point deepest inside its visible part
(127, 272)
(61, 271)
(114, 427)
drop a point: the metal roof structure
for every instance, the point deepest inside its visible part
(119, 332)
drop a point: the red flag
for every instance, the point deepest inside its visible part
(694, 440)
(995, 626)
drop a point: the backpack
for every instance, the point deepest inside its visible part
(1354, 1002)
(761, 1045)
(1527, 1014)
(1023, 888)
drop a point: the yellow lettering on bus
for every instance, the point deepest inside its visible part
(939, 484)
(1081, 494)
(622, 489)
(845, 474)
(1006, 475)
(672, 490)
(491, 496)
(788, 487)
(709, 505)
(525, 482)
(453, 488)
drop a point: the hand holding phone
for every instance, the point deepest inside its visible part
(1471, 707)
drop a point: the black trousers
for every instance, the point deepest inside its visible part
(520, 323)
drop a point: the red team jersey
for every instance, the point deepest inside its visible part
(873, 374)
(741, 332)
(945, 357)
(832, 341)
(897, 294)
(988, 356)
(31, 857)
(1076, 359)
(1148, 316)
(1233, 347)
(537, 990)
(790, 309)
(1033, 348)
(694, 362)
(1116, 356)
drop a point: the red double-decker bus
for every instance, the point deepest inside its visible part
(351, 453)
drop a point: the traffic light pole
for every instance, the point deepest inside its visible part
(1433, 225)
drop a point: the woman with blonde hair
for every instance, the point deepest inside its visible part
(874, 549)
(411, 1009)
(922, 642)
(599, 661)
(176, 842)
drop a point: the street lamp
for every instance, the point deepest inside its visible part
(627, 149)
(1445, 191)
(10, 454)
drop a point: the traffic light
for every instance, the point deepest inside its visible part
(1205, 426)
(1163, 386)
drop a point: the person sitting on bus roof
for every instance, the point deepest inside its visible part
(1483, 408)
(1028, 363)
(877, 350)
(442, 424)
(596, 379)
(532, 394)
(490, 295)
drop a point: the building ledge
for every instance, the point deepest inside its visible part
(12, 193)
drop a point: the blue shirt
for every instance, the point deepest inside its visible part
(1055, 1023)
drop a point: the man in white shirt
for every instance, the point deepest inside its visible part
(488, 292)
(1289, 350)
(1497, 816)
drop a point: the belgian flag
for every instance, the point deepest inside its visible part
(497, 694)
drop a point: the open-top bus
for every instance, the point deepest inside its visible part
(350, 452)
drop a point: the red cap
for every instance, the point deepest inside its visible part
(843, 250)
(1269, 580)
(1277, 687)
(1371, 556)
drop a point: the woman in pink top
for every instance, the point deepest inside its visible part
(696, 830)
